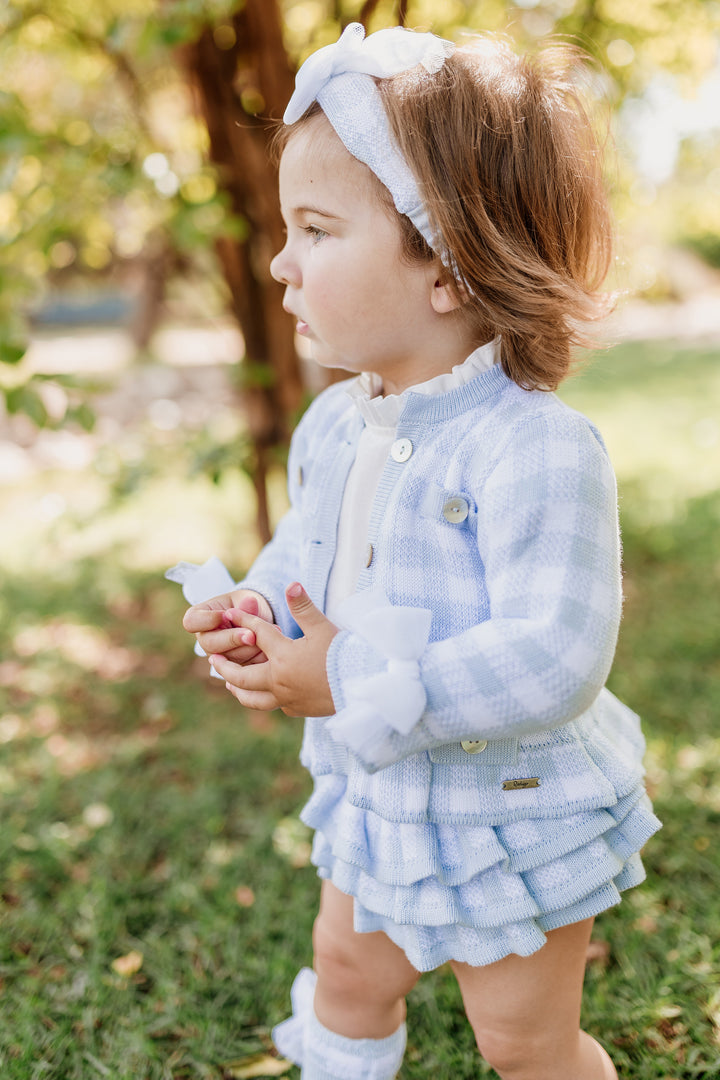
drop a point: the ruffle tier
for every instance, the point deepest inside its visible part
(476, 893)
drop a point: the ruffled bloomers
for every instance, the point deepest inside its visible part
(467, 890)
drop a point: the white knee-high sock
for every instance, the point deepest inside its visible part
(325, 1055)
(289, 1036)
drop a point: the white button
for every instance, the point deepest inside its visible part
(473, 746)
(401, 450)
(368, 554)
(456, 510)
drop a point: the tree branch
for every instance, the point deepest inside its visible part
(367, 11)
(120, 62)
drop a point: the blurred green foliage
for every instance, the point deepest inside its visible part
(707, 246)
(145, 816)
(103, 161)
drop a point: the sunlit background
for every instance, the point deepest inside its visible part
(156, 894)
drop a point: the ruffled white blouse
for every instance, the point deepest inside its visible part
(381, 415)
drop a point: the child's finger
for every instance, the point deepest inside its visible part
(250, 677)
(198, 620)
(304, 612)
(259, 657)
(252, 699)
(248, 604)
(267, 634)
(223, 641)
(245, 655)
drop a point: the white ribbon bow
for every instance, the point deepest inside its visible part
(396, 697)
(384, 53)
(340, 78)
(201, 583)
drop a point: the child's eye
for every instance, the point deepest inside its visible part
(315, 233)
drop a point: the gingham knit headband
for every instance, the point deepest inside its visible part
(340, 77)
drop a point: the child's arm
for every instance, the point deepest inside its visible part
(280, 561)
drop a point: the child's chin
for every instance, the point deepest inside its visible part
(329, 358)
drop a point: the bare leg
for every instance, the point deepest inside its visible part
(525, 1012)
(362, 978)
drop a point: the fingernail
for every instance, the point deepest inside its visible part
(295, 590)
(247, 637)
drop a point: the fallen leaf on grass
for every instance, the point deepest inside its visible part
(646, 924)
(292, 840)
(252, 1068)
(97, 815)
(127, 965)
(597, 952)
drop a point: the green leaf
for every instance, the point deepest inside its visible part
(23, 399)
(12, 352)
(255, 376)
(83, 415)
(174, 34)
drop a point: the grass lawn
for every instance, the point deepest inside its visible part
(157, 898)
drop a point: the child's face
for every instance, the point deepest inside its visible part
(359, 304)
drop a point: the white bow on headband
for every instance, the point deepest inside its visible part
(384, 53)
(340, 77)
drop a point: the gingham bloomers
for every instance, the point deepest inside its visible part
(437, 846)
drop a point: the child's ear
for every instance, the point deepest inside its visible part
(446, 297)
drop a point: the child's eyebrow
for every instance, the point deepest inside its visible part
(316, 210)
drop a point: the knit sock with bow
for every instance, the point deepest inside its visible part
(325, 1055)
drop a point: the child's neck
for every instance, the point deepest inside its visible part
(432, 363)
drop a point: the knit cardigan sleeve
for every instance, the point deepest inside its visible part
(547, 534)
(278, 564)
(276, 567)
(280, 561)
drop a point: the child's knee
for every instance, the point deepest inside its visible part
(351, 966)
(337, 960)
(516, 1054)
(330, 961)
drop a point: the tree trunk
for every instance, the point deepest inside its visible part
(238, 88)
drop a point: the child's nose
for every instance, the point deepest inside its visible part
(283, 268)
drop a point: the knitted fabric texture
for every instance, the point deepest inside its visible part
(325, 1055)
(435, 847)
(524, 591)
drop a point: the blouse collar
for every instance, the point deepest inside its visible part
(379, 411)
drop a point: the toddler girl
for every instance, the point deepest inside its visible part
(442, 599)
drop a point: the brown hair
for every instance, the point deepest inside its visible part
(510, 172)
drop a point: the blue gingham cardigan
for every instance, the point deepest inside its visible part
(525, 594)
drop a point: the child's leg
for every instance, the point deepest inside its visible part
(525, 1012)
(348, 1014)
(362, 978)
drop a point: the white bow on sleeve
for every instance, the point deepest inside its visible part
(395, 697)
(201, 583)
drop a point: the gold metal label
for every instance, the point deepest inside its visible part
(518, 785)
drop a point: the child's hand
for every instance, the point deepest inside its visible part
(218, 629)
(293, 676)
